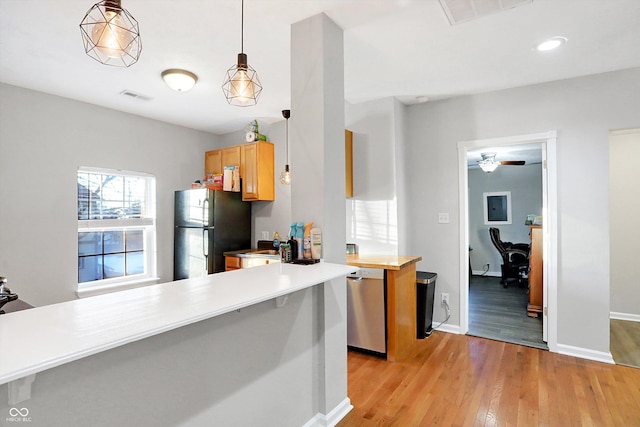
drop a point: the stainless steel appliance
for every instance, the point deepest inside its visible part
(208, 223)
(366, 310)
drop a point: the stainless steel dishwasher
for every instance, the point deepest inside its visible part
(366, 310)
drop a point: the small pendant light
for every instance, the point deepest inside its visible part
(285, 175)
(111, 35)
(242, 86)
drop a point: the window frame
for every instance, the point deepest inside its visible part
(146, 222)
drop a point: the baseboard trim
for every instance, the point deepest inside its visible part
(488, 273)
(451, 329)
(624, 316)
(333, 417)
(585, 353)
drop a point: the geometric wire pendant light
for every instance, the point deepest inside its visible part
(111, 35)
(242, 86)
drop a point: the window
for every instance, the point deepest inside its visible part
(497, 208)
(116, 227)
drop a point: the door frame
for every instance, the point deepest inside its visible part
(549, 229)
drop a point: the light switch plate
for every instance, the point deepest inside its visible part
(443, 218)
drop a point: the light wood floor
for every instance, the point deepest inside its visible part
(459, 380)
(625, 342)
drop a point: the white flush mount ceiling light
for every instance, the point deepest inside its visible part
(552, 43)
(110, 34)
(179, 80)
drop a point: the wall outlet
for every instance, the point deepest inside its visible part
(443, 218)
(265, 235)
(444, 298)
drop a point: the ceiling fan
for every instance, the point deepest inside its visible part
(489, 162)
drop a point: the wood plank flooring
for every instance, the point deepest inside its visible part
(625, 342)
(459, 380)
(501, 313)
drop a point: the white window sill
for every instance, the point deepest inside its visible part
(105, 289)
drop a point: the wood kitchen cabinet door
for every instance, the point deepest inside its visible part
(212, 162)
(535, 273)
(257, 171)
(231, 156)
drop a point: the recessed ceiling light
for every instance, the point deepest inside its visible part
(179, 80)
(551, 44)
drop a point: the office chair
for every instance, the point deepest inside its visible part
(515, 259)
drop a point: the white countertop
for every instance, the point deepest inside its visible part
(44, 337)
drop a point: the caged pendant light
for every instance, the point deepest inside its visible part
(111, 35)
(285, 175)
(242, 86)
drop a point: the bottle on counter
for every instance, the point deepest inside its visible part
(276, 241)
(316, 243)
(307, 240)
(300, 238)
(293, 244)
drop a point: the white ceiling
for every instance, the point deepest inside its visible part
(393, 48)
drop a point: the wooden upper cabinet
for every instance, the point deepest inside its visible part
(212, 162)
(231, 156)
(216, 160)
(257, 171)
(348, 161)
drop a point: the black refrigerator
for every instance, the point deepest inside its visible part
(207, 224)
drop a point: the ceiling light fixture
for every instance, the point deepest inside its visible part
(179, 80)
(488, 163)
(242, 86)
(111, 35)
(552, 43)
(285, 175)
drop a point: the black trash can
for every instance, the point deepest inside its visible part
(425, 290)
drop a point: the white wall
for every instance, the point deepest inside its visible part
(43, 140)
(525, 185)
(372, 212)
(624, 200)
(582, 110)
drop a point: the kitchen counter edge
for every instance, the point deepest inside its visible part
(49, 336)
(388, 262)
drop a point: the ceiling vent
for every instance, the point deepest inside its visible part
(132, 94)
(459, 11)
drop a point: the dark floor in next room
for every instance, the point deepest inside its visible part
(501, 313)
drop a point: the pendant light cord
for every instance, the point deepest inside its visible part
(242, 29)
(287, 141)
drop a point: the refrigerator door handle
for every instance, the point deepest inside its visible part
(205, 212)
(205, 240)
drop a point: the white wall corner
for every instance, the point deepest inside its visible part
(333, 417)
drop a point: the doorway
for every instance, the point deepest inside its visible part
(547, 145)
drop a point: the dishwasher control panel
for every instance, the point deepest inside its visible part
(370, 273)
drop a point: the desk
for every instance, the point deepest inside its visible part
(401, 298)
(535, 272)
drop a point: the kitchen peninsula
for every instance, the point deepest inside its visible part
(401, 298)
(246, 347)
